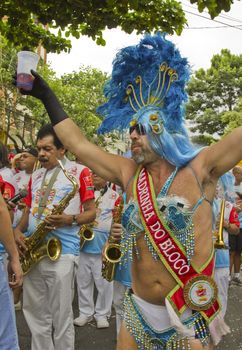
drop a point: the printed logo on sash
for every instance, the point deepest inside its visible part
(200, 292)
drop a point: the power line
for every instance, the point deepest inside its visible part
(233, 19)
(214, 20)
(214, 27)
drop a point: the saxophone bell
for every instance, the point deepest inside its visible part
(86, 234)
(112, 251)
(51, 249)
(111, 256)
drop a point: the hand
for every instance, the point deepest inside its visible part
(19, 239)
(10, 205)
(40, 88)
(226, 224)
(59, 220)
(116, 231)
(15, 273)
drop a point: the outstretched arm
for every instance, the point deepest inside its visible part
(224, 155)
(110, 167)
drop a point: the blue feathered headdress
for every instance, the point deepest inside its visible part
(153, 74)
(147, 86)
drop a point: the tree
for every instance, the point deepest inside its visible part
(26, 23)
(214, 92)
(79, 92)
(233, 119)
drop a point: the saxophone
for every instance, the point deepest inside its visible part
(219, 242)
(86, 231)
(37, 247)
(86, 234)
(112, 252)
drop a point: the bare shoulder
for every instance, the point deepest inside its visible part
(128, 171)
(204, 172)
(200, 164)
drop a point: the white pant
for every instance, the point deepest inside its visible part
(88, 272)
(118, 297)
(47, 304)
(221, 276)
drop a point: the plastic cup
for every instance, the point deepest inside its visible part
(27, 60)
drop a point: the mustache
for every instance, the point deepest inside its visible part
(135, 144)
(43, 160)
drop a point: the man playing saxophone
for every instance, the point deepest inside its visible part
(90, 262)
(48, 286)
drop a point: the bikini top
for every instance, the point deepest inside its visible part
(176, 212)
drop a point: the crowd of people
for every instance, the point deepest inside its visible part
(179, 233)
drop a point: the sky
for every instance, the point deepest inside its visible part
(198, 43)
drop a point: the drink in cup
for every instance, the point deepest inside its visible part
(27, 60)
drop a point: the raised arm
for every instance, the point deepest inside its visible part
(225, 154)
(110, 167)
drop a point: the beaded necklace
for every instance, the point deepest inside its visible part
(179, 221)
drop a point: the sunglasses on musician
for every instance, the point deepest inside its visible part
(138, 128)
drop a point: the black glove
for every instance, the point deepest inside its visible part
(43, 92)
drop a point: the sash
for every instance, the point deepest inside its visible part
(195, 287)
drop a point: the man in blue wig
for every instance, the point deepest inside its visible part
(170, 185)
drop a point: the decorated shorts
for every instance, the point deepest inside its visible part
(148, 338)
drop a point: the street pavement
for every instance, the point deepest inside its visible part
(91, 338)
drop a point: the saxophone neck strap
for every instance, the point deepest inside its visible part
(45, 190)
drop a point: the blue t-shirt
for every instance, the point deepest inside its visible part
(123, 274)
(221, 258)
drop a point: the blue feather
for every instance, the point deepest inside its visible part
(145, 60)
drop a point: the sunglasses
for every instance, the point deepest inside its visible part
(138, 128)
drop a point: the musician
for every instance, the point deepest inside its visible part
(230, 228)
(90, 261)
(48, 286)
(10, 185)
(122, 277)
(27, 160)
(8, 331)
(170, 187)
(235, 242)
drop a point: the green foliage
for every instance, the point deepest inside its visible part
(214, 92)
(202, 140)
(27, 23)
(79, 92)
(214, 6)
(233, 119)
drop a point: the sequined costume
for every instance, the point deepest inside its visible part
(176, 211)
(147, 93)
(178, 214)
(148, 338)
